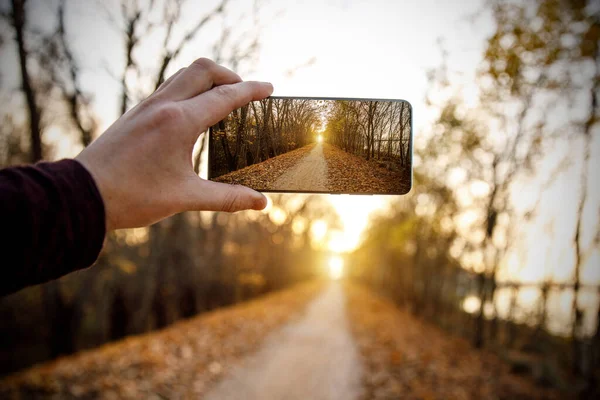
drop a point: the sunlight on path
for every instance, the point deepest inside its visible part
(313, 358)
(310, 174)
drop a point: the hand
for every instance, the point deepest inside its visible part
(142, 164)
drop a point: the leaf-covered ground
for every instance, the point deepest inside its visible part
(181, 361)
(264, 174)
(345, 172)
(401, 356)
(405, 358)
(350, 173)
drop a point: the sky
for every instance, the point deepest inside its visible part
(339, 48)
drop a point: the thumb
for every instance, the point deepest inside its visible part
(215, 196)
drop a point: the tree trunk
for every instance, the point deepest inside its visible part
(225, 143)
(267, 129)
(239, 135)
(34, 113)
(478, 338)
(401, 133)
(575, 311)
(60, 313)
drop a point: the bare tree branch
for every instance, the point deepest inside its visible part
(171, 54)
(75, 99)
(131, 21)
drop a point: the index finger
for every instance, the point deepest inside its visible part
(214, 105)
(199, 77)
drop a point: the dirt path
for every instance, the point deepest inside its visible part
(294, 344)
(321, 167)
(313, 358)
(309, 174)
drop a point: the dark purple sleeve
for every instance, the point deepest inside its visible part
(52, 222)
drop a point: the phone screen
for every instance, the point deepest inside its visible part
(315, 145)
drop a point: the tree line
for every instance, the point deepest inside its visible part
(262, 130)
(446, 241)
(373, 129)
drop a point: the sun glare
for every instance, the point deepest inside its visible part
(336, 267)
(319, 230)
(471, 304)
(354, 213)
(320, 138)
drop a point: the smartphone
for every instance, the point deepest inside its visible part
(315, 145)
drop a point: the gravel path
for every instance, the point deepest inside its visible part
(312, 358)
(310, 174)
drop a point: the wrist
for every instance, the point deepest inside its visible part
(103, 189)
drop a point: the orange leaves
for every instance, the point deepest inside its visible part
(404, 357)
(350, 173)
(182, 361)
(395, 357)
(262, 175)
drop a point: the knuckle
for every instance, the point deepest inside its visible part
(176, 74)
(170, 79)
(226, 91)
(203, 63)
(167, 113)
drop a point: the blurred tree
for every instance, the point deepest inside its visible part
(542, 60)
(18, 20)
(78, 102)
(550, 47)
(406, 254)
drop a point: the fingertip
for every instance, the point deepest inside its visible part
(265, 89)
(269, 86)
(250, 199)
(260, 202)
(240, 198)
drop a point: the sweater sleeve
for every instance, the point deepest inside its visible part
(52, 222)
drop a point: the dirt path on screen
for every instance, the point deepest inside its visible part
(320, 167)
(309, 174)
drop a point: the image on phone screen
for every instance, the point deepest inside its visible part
(315, 145)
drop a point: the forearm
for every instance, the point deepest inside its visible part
(52, 222)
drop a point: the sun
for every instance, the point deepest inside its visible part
(336, 267)
(320, 138)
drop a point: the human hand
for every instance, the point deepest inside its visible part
(142, 164)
